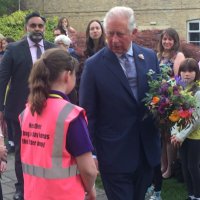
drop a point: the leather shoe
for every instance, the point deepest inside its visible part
(18, 196)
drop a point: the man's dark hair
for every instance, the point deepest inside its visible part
(34, 14)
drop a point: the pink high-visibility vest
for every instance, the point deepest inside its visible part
(50, 172)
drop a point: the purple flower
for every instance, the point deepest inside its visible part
(176, 90)
(161, 110)
(180, 82)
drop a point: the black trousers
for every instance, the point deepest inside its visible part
(157, 178)
(190, 158)
(18, 165)
(1, 194)
(128, 186)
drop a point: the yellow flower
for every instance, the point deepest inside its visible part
(155, 100)
(174, 117)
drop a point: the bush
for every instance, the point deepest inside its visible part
(150, 39)
(13, 25)
(8, 6)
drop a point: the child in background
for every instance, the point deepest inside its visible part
(188, 139)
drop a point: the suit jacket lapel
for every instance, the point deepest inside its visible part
(27, 52)
(46, 45)
(141, 66)
(114, 66)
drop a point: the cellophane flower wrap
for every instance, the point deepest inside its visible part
(169, 100)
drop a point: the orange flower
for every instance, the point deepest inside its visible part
(174, 117)
(155, 100)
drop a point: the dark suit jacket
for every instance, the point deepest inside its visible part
(16, 65)
(117, 122)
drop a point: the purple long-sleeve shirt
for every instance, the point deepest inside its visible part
(78, 140)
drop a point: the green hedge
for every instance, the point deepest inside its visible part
(13, 25)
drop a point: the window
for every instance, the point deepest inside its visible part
(193, 29)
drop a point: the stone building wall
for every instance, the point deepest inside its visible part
(150, 14)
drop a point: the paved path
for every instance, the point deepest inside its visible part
(9, 179)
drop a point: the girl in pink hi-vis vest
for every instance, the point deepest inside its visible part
(56, 151)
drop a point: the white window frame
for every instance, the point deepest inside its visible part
(193, 31)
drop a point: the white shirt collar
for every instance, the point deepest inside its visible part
(130, 50)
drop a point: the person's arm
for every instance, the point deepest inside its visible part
(72, 30)
(179, 58)
(80, 147)
(180, 136)
(5, 75)
(184, 133)
(3, 153)
(1, 120)
(3, 166)
(88, 170)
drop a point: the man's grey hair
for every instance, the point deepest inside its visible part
(121, 11)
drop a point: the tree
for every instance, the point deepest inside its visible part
(13, 25)
(8, 6)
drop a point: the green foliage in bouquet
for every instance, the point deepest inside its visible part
(170, 100)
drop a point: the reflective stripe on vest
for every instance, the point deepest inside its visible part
(56, 171)
(51, 173)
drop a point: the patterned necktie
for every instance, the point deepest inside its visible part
(38, 50)
(131, 73)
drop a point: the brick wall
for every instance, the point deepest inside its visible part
(150, 14)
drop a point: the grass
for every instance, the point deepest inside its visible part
(98, 182)
(171, 190)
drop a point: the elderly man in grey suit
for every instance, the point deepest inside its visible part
(16, 65)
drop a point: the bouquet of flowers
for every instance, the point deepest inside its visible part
(169, 100)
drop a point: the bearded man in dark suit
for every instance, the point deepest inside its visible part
(15, 67)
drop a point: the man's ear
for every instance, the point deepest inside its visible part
(134, 32)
